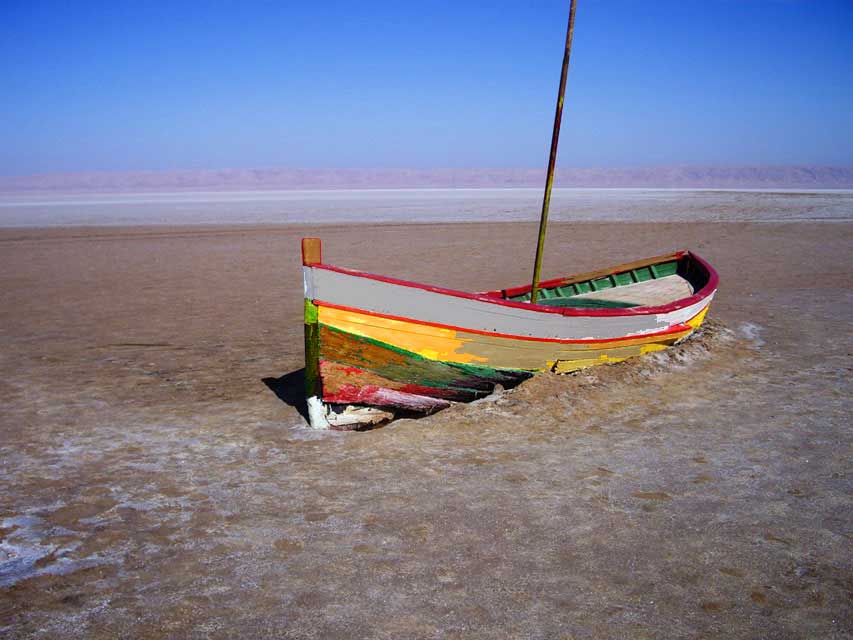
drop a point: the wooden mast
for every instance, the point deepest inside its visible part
(552, 160)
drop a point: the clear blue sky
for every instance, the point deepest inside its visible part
(390, 83)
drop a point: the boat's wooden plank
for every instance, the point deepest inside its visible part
(347, 290)
(649, 292)
(664, 269)
(312, 350)
(381, 397)
(420, 358)
(661, 270)
(404, 366)
(585, 303)
(358, 417)
(598, 273)
(642, 274)
(615, 355)
(337, 376)
(621, 279)
(311, 251)
(464, 347)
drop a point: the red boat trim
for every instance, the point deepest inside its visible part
(673, 329)
(330, 368)
(384, 397)
(704, 292)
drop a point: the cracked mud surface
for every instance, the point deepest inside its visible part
(152, 485)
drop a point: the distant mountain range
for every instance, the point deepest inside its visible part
(776, 177)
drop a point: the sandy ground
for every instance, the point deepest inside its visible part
(157, 479)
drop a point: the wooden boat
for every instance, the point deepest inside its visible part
(380, 342)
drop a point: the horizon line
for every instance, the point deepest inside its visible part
(304, 178)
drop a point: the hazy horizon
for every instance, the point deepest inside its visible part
(283, 178)
(406, 206)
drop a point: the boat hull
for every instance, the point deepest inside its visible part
(384, 342)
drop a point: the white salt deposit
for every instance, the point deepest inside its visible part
(351, 206)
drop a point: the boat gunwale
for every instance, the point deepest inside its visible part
(707, 290)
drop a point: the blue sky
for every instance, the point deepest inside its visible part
(462, 83)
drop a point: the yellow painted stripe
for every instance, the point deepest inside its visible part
(449, 345)
(697, 320)
(435, 343)
(565, 366)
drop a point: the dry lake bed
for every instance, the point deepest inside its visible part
(157, 479)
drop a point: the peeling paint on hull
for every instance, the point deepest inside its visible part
(386, 342)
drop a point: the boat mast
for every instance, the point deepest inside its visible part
(552, 160)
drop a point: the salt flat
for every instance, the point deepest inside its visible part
(348, 206)
(158, 480)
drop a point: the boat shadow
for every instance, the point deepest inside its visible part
(290, 389)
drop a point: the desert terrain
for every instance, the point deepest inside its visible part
(158, 480)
